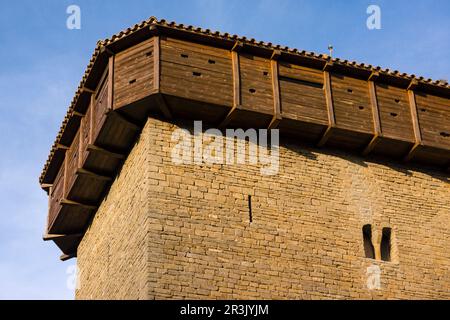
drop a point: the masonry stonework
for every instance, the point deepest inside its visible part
(168, 231)
(112, 258)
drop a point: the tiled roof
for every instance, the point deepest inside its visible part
(152, 21)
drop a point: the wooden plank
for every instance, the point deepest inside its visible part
(93, 175)
(111, 83)
(330, 110)
(108, 153)
(46, 186)
(62, 147)
(236, 79)
(91, 120)
(394, 110)
(376, 118)
(67, 202)
(276, 91)
(66, 257)
(87, 90)
(49, 237)
(65, 177)
(416, 126)
(237, 100)
(156, 64)
(80, 146)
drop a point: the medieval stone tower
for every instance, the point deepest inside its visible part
(357, 206)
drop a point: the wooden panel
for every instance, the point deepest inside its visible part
(256, 84)
(352, 104)
(85, 134)
(196, 72)
(56, 195)
(72, 161)
(133, 74)
(100, 108)
(395, 115)
(434, 119)
(302, 95)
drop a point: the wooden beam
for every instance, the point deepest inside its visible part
(105, 152)
(91, 120)
(276, 91)
(236, 85)
(126, 121)
(50, 237)
(80, 145)
(413, 84)
(66, 202)
(236, 78)
(330, 110)
(416, 126)
(77, 114)
(237, 46)
(328, 66)
(156, 64)
(46, 185)
(93, 175)
(373, 76)
(66, 257)
(60, 146)
(108, 51)
(411, 152)
(111, 83)
(375, 117)
(160, 100)
(65, 176)
(87, 90)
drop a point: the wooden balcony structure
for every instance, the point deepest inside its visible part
(169, 70)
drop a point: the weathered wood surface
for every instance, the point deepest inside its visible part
(171, 77)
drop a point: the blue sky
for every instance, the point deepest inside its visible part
(41, 64)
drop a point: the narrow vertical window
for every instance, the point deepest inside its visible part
(368, 247)
(386, 244)
(250, 214)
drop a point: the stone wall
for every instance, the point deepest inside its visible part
(184, 231)
(112, 257)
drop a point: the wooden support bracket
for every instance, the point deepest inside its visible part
(111, 82)
(87, 90)
(237, 46)
(373, 76)
(415, 122)
(66, 257)
(328, 66)
(60, 146)
(375, 117)
(230, 116)
(105, 152)
(78, 114)
(50, 237)
(107, 50)
(236, 85)
(413, 84)
(277, 117)
(330, 110)
(66, 202)
(93, 175)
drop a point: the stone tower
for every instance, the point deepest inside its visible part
(341, 191)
